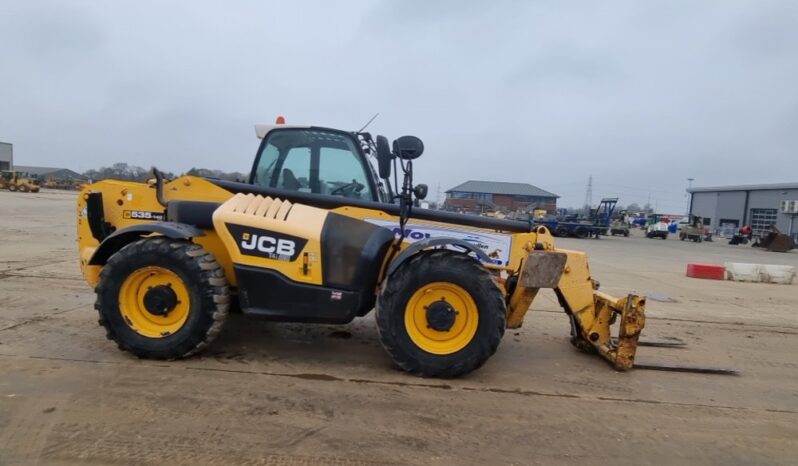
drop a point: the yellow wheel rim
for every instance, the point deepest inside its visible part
(450, 337)
(138, 317)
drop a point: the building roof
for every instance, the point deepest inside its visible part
(501, 187)
(48, 171)
(744, 187)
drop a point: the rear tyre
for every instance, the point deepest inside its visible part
(23, 189)
(12, 187)
(581, 232)
(626, 233)
(561, 232)
(162, 299)
(440, 315)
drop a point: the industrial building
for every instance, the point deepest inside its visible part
(481, 196)
(759, 206)
(53, 173)
(6, 156)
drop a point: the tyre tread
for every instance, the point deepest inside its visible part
(421, 264)
(202, 263)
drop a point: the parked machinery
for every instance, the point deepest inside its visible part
(18, 181)
(657, 226)
(775, 241)
(694, 230)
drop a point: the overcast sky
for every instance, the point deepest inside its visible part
(640, 95)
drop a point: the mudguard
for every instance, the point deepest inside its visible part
(433, 242)
(118, 239)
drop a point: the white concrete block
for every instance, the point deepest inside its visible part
(742, 272)
(765, 273)
(778, 273)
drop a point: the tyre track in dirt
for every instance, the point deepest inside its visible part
(324, 377)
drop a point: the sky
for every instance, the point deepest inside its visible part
(640, 96)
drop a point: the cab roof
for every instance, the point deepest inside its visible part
(261, 130)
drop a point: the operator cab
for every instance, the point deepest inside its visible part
(315, 160)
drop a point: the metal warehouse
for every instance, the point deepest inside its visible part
(6, 156)
(759, 206)
(51, 173)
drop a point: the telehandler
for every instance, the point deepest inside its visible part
(319, 234)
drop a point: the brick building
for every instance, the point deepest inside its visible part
(481, 196)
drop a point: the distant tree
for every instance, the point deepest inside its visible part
(125, 172)
(209, 173)
(122, 171)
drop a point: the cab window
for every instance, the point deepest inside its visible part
(312, 161)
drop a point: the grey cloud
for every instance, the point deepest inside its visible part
(640, 95)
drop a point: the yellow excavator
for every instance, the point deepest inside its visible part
(319, 233)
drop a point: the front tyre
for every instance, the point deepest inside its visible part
(440, 315)
(162, 299)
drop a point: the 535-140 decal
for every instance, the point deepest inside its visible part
(143, 215)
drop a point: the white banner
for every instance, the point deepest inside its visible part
(495, 245)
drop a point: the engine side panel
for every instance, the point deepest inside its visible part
(273, 234)
(300, 263)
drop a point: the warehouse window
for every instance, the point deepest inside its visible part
(761, 220)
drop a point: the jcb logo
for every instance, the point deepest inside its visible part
(266, 244)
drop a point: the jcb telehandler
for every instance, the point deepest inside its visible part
(319, 234)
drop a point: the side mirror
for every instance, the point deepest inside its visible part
(408, 147)
(421, 191)
(384, 157)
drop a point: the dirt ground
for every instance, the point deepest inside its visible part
(287, 394)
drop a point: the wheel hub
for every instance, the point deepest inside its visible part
(441, 316)
(159, 300)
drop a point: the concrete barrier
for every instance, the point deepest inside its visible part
(764, 273)
(706, 271)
